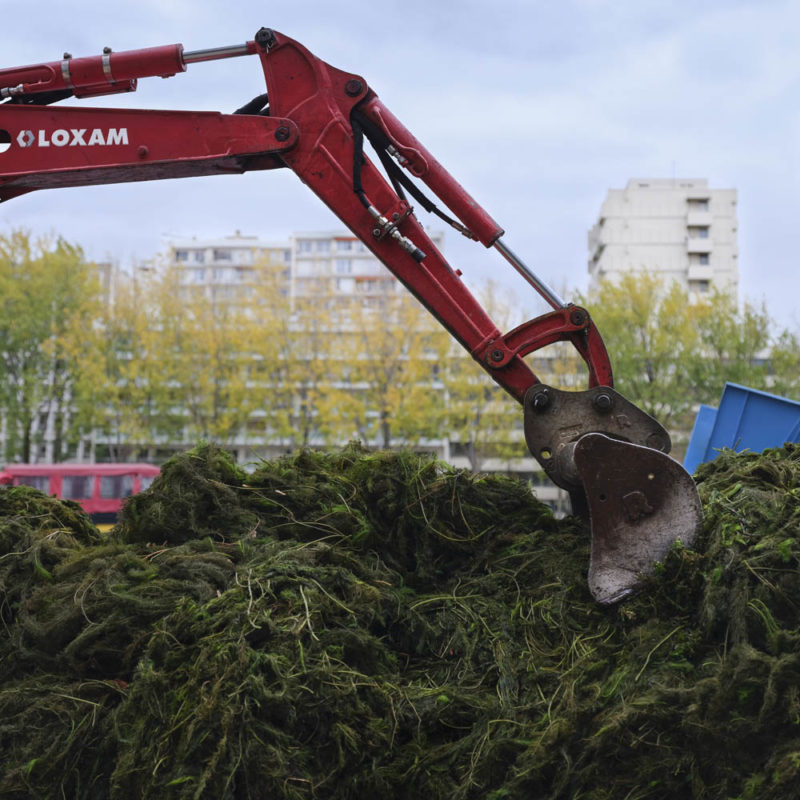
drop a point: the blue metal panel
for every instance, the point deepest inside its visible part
(747, 419)
(701, 435)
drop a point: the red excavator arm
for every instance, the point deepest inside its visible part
(315, 119)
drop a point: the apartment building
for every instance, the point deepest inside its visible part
(330, 263)
(338, 264)
(224, 267)
(680, 229)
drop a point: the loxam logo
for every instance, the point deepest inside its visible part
(74, 137)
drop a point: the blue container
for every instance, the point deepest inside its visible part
(746, 419)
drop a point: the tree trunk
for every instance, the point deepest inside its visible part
(386, 430)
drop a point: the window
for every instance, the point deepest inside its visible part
(700, 287)
(699, 231)
(344, 285)
(323, 246)
(344, 266)
(115, 486)
(304, 246)
(344, 245)
(698, 204)
(220, 275)
(223, 255)
(77, 487)
(181, 255)
(200, 256)
(40, 482)
(198, 275)
(146, 480)
(704, 258)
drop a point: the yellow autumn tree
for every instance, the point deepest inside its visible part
(219, 339)
(392, 352)
(484, 421)
(48, 296)
(131, 375)
(297, 362)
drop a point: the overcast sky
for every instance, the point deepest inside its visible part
(537, 108)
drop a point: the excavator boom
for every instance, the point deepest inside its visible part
(315, 120)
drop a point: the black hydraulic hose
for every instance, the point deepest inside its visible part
(358, 162)
(398, 177)
(41, 98)
(258, 106)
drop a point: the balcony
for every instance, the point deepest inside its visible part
(700, 272)
(699, 245)
(700, 219)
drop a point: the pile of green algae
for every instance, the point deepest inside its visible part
(378, 625)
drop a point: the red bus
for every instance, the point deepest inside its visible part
(98, 488)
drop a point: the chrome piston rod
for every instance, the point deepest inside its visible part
(215, 53)
(544, 290)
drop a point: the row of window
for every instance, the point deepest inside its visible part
(227, 255)
(324, 246)
(223, 276)
(318, 268)
(198, 275)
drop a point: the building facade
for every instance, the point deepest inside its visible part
(337, 264)
(224, 267)
(331, 263)
(680, 229)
